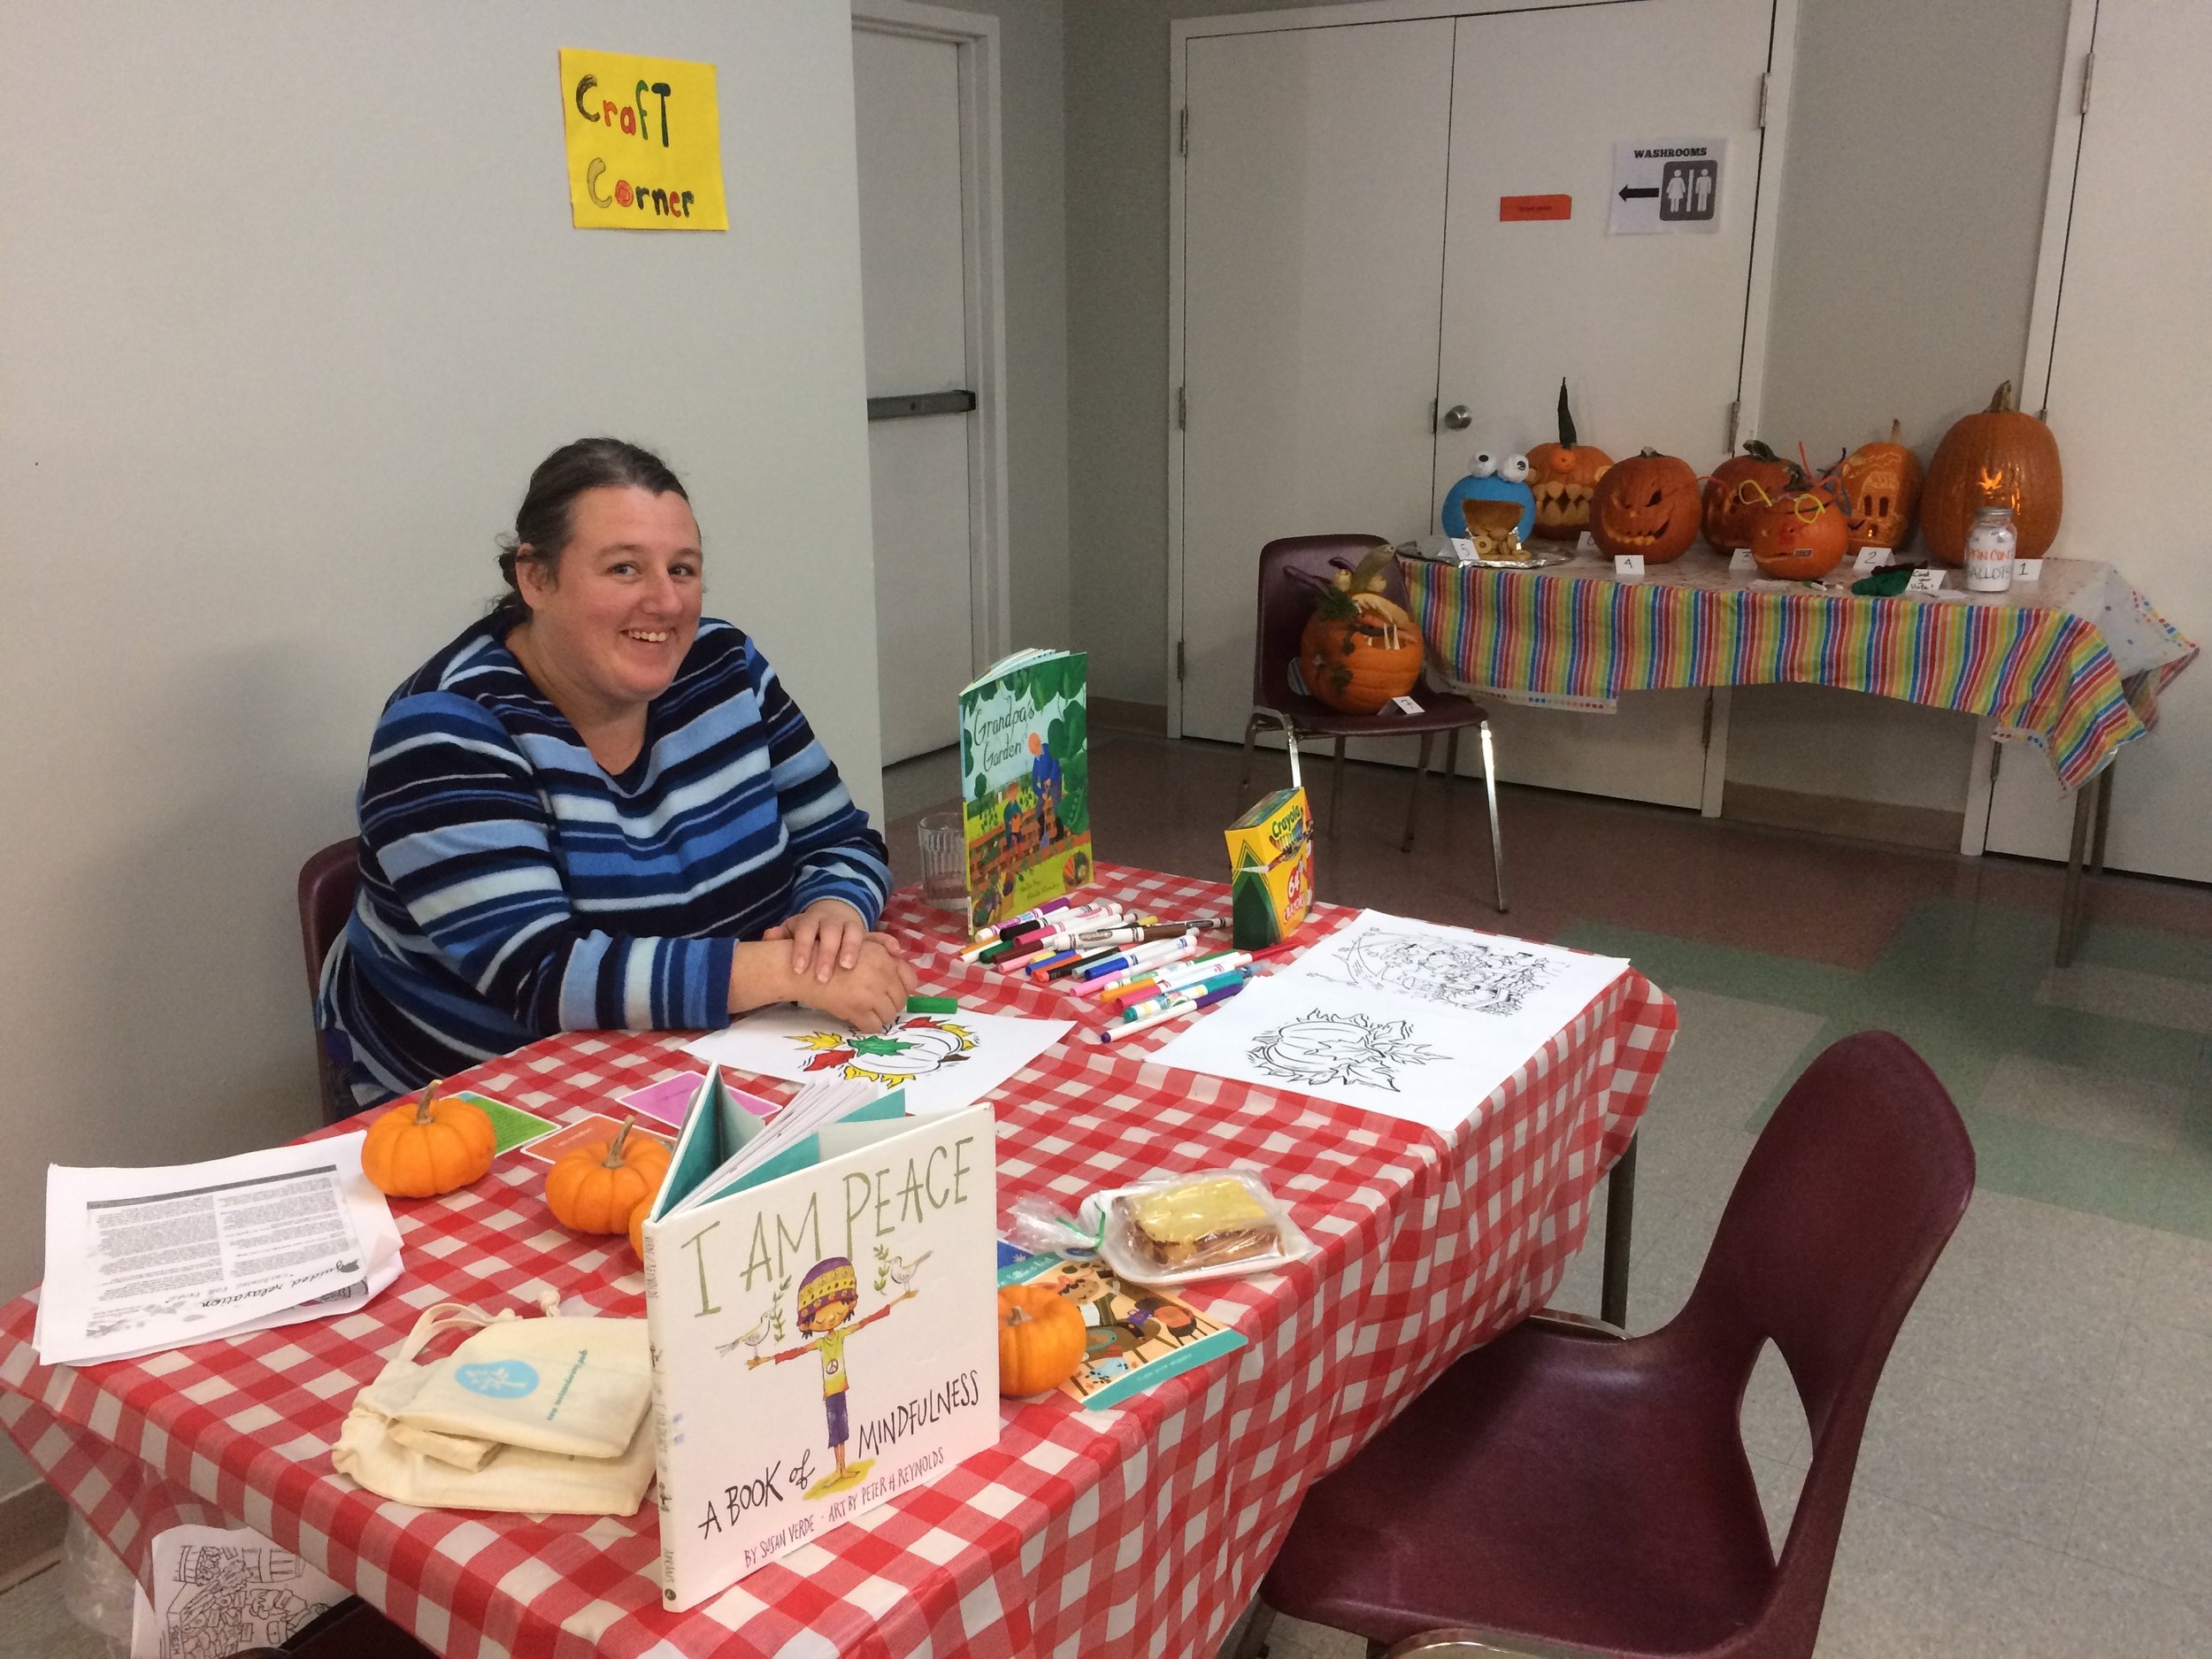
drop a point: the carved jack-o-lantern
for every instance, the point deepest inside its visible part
(1562, 475)
(1882, 482)
(2001, 457)
(1646, 504)
(1740, 488)
(1801, 536)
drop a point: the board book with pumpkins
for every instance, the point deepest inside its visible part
(1024, 771)
(1135, 1337)
(820, 1302)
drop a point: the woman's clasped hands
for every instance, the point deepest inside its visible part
(839, 965)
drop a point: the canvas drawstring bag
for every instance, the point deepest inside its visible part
(570, 1381)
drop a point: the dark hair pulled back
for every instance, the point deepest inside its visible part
(545, 521)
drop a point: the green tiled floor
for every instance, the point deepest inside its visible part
(1960, 983)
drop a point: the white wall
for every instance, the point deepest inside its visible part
(292, 306)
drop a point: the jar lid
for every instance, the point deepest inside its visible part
(1992, 512)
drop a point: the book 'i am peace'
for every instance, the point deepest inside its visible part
(820, 1301)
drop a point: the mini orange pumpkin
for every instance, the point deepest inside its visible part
(1564, 474)
(1646, 504)
(594, 1188)
(1881, 483)
(1041, 1339)
(1999, 457)
(1740, 488)
(1801, 537)
(428, 1146)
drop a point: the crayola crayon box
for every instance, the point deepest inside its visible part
(1271, 870)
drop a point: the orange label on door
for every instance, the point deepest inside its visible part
(1513, 208)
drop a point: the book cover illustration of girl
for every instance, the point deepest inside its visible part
(829, 1296)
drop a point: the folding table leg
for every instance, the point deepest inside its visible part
(1490, 789)
(2069, 893)
(1413, 803)
(1620, 1221)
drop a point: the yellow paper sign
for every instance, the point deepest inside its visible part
(644, 143)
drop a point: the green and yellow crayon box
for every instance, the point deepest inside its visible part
(1271, 870)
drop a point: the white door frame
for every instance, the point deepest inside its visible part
(2036, 363)
(1751, 379)
(983, 258)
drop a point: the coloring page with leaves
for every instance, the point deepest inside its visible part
(1515, 987)
(1025, 772)
(943, 1061)
(1425, 1061)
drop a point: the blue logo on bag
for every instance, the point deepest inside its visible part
(502, 1379)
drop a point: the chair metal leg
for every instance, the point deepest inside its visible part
(1490, 791)
(1620, 1222)
(1336, 791)
(1413, 802)
(1290, 737)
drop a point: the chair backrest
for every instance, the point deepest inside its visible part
(1841, 1209)
(328, 881)
(1291, 573)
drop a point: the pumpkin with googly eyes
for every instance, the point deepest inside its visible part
(1647, 504)
(1492, 476)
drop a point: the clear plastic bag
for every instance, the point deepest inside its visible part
(1043, 1228)
(1210, 1223)
(96, 1586)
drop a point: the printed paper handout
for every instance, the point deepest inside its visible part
(943, 1061)
(142, 1260)
(819, 1306)
(1406, 1017)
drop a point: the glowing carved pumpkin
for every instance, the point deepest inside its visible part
(1740, 488)
(1801, 537)
(1881, 484)
(1646, 504)
(1999, 457)
(1562, 475)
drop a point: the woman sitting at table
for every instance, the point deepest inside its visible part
(596, 810)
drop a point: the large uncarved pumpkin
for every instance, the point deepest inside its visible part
(1998, 459)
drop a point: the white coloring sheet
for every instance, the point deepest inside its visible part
(218, 1592)
(1414, 1021)
(943, 1061)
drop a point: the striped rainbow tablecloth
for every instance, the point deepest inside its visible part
(2073, 663)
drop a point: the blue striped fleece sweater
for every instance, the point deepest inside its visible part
(511, 889)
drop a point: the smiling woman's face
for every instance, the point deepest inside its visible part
(612, 625)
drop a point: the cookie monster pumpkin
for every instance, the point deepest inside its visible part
(1492, 477)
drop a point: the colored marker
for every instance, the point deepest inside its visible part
(932, 1005)
(1143, 956)
(1169, 975)
(1115, 1033)
(1191, 989)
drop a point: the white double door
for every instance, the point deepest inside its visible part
(908, 109)
(1350, 269)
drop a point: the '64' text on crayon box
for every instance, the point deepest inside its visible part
(1271, 870)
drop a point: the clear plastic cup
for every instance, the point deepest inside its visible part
(944, 860)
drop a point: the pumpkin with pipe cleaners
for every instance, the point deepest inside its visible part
(596, 1187)
(1647, 504)
(1738, 491)
(2001, 457)
(423, 1147)
(1562, 475)
(1882, 481)
(1360, 649)
(1041, 1339)
(1801, 536)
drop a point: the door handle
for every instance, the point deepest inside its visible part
(920, 404)
(1458, 417)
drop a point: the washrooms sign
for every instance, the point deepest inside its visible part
(1666, 184)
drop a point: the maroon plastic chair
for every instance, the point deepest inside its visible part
(1291, 573)
(1568, 1486)
(328, 881)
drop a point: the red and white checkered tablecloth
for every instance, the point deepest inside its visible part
(1138, 1531)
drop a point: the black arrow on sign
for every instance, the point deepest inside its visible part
(1629, 192)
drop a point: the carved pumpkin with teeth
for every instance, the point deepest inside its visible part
(1646, 504)
(1562, 475)
(1881, 482)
